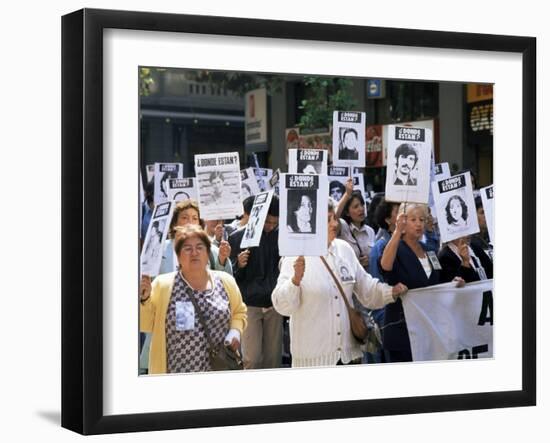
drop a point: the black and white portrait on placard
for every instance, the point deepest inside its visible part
(256, 221)
(301, 210)
(406, 160)
(153, 245)
(455, 207)
(303, 214)
(307, 161)
(164, 172)
(409, 169)
(182, 189)
(336, 189)
(348, 138)
(218, 185)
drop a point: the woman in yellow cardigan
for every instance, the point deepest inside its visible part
(179, 343)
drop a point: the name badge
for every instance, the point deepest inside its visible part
(185, 316)
(434, 260)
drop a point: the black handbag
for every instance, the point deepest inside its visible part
(221, 356)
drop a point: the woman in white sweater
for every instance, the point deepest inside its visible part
(320, 333)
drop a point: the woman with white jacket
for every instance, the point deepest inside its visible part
(320, 333)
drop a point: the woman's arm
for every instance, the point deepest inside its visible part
(286, 296)
(147, 293)
(390, 251)
(345, 198)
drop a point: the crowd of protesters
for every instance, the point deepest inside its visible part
(252, 298)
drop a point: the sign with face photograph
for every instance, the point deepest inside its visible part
(441, 171)
(153, 245)
(218, 185)
(255, 225)
(348, 138)
(182, 189)
(303, 215)
(337, 179)
(249, 183)
(455, 207)
(163, 173)
(408, 166)
(487, 201)
(307, 161)
(262, 177)
(273, 182)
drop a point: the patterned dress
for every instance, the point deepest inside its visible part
(186, 343)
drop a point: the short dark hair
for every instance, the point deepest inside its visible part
(336, 184)
(248, 202)
(479, 202)
(450, 219)
(274, 207)
(404, 150)
(183, 233)
(347, 131)
(383, 211)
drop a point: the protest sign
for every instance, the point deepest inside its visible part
(273, 182)
(150, 171)
(307, 161)
(337, 179)
(449, 323)
(249, 183)
(303, 215)
(442, 171)
(487, 200)
(182, 189)
(218, 185)
(348, 138)
(153, 245)
(408, 170)
(455, 207)
(262, 177)
(255, 225)
(163, 173)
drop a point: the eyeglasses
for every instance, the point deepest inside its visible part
(188, 250)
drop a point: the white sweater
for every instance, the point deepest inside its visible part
(320, 332)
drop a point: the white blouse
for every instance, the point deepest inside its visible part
(320, 333)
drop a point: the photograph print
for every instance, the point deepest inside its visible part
(455, 207)
(348, 138)
(409, 164)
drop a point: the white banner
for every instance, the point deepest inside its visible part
(449, 323)
(303, 215)
(219, 185)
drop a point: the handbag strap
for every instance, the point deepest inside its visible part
(338, 284)
(201, 319)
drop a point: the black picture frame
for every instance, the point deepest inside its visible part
(82, 230)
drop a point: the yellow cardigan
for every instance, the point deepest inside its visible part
(152, 314)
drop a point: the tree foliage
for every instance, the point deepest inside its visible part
(324, 95)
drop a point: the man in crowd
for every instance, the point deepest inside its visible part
(406, 158)
(256, 271)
